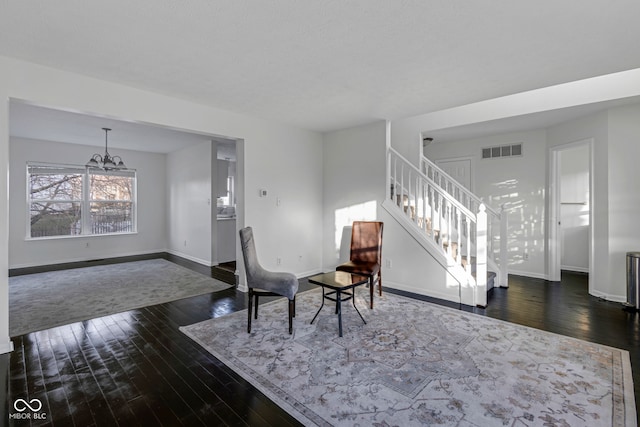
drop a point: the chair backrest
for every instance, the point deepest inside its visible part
(251, 265)
(366, 242)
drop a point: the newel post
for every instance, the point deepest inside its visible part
(388, 179)
(481, 257)
(504, 262)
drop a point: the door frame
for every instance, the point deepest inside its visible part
(554, 251)
(458, 159)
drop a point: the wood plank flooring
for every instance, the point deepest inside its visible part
(136, 368)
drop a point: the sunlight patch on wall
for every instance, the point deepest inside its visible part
(526, 216)
(344, 217)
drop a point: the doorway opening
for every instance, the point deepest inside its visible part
(570, 208)
(224, 229)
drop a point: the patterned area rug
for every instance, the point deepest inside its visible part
(416, 363)
(44, 300)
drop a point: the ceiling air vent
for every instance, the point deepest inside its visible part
(502, 151)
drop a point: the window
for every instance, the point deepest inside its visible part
(72, 201)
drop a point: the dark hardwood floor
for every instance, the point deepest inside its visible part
(136, 368)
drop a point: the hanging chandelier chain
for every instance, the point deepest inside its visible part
(106, 141)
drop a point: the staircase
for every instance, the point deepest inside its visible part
(464, 235)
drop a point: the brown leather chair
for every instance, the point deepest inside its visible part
(366, 253)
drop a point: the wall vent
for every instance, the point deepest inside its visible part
(502, 151)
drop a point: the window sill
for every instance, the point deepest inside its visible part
(78, 236)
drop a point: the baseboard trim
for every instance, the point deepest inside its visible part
(528, 274)
(574, 269)
(310, 273)
(420, 291)
(6, 347)
(609, 297)
(191, 258)
(86, 259)
(85, 263)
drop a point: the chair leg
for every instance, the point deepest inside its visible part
(380, 282)
(249, 310)
(371, 287)
(256, 309)
(292, 308)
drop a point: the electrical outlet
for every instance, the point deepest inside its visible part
(389, 263)
(278, 261)
(86, 245)
(526, 256)
(185, 243)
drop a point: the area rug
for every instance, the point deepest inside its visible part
(44, 300)
(416, 363)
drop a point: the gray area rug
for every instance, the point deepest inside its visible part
(415, 363)
(44, 300)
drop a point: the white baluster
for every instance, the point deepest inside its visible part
(449, 228)
(389, 190)
(459, 240)
(481, 258)
(468, 251)
(401, 202)
(408, 207)
(424, 206)
(416, 201)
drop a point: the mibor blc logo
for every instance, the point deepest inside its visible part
(27, 410)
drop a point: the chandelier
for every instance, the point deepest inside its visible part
(106, 162)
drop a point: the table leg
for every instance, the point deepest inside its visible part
(339, 306)
(354, 305)
(322, 305)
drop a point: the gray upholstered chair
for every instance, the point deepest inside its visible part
(265, 283)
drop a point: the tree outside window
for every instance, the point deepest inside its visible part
(70, 200)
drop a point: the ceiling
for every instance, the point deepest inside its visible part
(29, 121)
(321, 65)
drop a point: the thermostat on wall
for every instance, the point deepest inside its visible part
(263, 192)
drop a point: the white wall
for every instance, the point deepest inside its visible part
(624, 195)
(603, 280)
(150, 237)
(286, 160)
(615, 199)
(406, 132)
(190, 206)
(354, 189)
(5, 342)
(519, 182)
(593, 127)
(354, 186)
(287, 223)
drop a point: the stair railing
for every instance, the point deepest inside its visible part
(460, 233)
(496, 220)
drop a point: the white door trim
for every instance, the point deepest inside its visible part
(554, 253)
(458, 159)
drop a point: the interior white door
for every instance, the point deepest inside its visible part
(458, 169)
